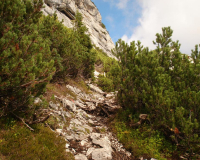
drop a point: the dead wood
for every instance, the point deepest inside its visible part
(142, 119)
(40, 120)
(23, 122)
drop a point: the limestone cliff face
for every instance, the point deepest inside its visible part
(66, 10)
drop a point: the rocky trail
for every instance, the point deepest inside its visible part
(82, 123)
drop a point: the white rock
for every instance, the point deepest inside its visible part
(96, 74)
(89, 151)
(73, 150)
(79, 104)
(67, 145)
(101, 154)
(95, 89)
(80, 157)
(37, 100)
(69, 104)
(83, 143)
(75, 121)
(90, 121)
(67, 150)
(80, 136)
(67, 114)
(103, 142)
(59, 131)
(69, 137)
(95, 136)
(90, 106)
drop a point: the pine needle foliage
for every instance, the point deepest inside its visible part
(164, 84)
(71, 49)
(25, 67)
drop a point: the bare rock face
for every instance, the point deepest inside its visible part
(66, 9)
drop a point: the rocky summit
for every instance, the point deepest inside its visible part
(66, 10)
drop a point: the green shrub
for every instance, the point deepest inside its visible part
(165, 85)
(25, 58)
(103, 25)
(142, 141)
(111, 68)
(106, 84)
(71, 48)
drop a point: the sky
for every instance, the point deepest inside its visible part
(133, 20)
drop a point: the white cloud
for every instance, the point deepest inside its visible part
(182, 15)
(125, 38)
(122, 4)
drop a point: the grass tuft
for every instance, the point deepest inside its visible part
(16, 141)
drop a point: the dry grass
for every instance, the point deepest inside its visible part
(61, 90)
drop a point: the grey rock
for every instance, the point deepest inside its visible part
(91, 121)
(78, 130)
(53, 106)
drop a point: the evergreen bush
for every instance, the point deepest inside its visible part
(25, 63)
(164, 84)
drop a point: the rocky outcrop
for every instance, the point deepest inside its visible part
(66, 9)
(81, 121)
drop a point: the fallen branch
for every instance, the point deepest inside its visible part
(49, 127)
(142, 117)
(105, 111)
(40, 120)
(23, 122)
